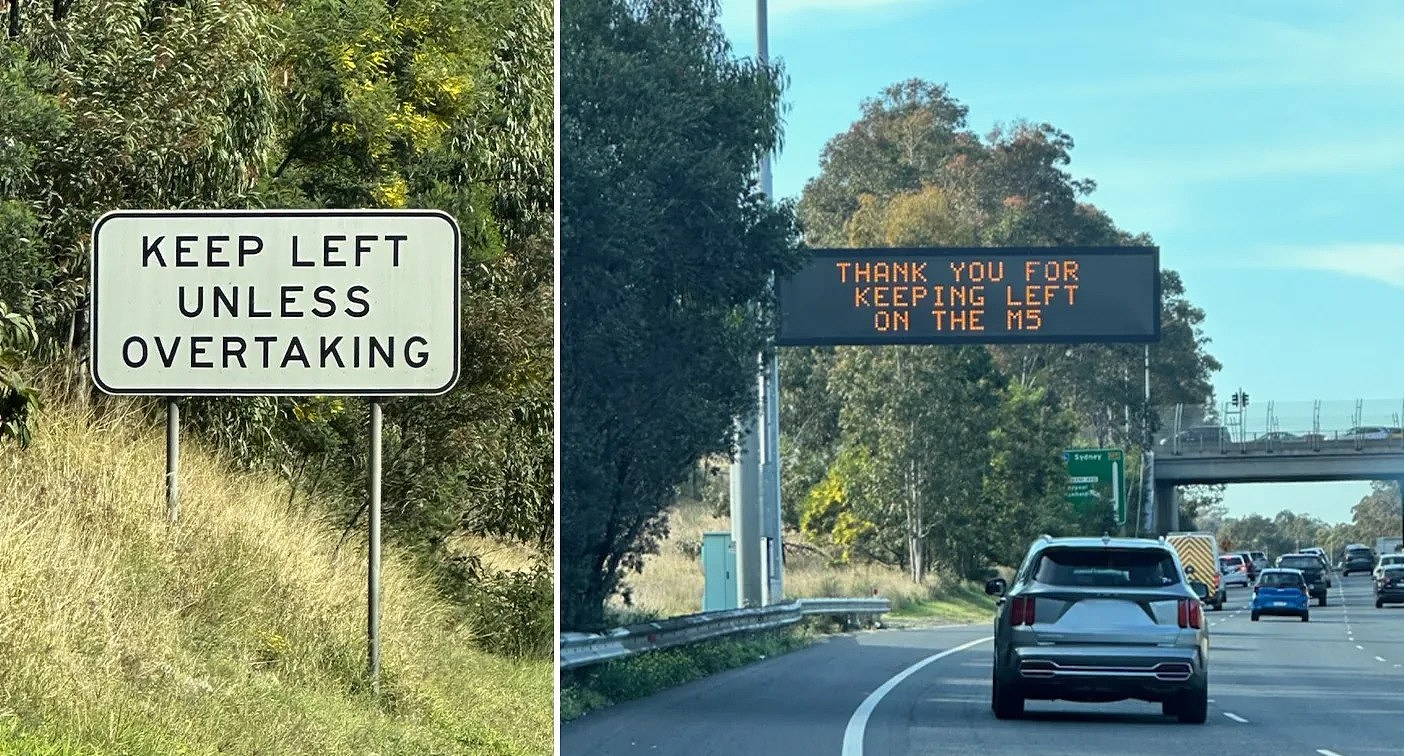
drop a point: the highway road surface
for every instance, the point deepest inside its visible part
(1329, 687)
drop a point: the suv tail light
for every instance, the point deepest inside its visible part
(1191, 614)
(1021, 611)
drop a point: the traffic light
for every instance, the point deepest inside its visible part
(1240, 398)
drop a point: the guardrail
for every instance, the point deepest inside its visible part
(584, 649)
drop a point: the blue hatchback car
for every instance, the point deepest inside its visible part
(1281, 591)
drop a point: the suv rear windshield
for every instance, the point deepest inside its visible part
(1358, 553)
(1303, 562)
(1234, 560)
(1106, 568)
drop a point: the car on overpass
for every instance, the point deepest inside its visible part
(1372, 433)
(1199, 438)
(1098, 620)
(1280, 591)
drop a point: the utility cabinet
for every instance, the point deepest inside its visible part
(719, 572)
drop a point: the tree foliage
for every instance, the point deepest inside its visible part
(307, 104)
(985, 444)
(1376, 514)
(666, 246)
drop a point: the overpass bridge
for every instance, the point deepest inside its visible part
(1287, 442)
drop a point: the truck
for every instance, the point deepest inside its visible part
(1200, 550)
(1387, 545)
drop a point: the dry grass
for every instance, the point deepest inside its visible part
(234, 632)
(671, 583)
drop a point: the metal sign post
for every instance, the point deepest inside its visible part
(172, 459)
(373, 571)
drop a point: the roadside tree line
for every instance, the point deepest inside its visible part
(1376, 514)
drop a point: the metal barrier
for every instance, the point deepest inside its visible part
(584, 649)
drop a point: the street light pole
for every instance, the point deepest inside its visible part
(755, 475)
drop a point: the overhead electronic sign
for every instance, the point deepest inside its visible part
(986, 295)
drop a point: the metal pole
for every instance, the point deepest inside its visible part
(173, 459)
(755, 486)
(770, 464)
(373, 572)
(745, 512)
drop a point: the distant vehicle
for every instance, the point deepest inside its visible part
(1202, 551)
(1284, 440)
(1388, 560)
(1371, 433)
(1313, 571)
(1388, 544)
(1389, 587)
(1234, 571)
(1097, 620)
(1249, 564)
(1200, 438)
(1280, 591)
(1358, 558)
(1260, 560)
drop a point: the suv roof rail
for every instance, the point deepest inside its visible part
(1045, 537)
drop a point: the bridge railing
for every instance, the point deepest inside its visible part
(1313, 427)
(584, 649)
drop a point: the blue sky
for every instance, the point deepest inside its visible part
(1261, 144)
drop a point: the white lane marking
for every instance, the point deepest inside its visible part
(1379, 658)
(858, 723)
(1235, 717)
(1327, 752)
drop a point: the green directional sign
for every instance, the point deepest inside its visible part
(1096, 479)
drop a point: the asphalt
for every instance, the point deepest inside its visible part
(1277, 686)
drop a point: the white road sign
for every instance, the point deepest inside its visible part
(291, 302)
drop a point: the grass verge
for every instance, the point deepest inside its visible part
(964, 602)
(239, 630)
(600, 685)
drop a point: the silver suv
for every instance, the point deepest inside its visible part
(1097, 620)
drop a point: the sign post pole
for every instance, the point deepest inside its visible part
(373, 569)
(172, 459)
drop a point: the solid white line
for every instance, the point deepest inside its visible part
(858, 723)
(1379, 658)
(1235, 717)
(1327, 752)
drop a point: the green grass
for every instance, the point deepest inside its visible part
(600, 685)
(964, 602)
(239, 631)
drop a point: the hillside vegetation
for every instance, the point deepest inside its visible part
(672, 582)
(241, 630)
